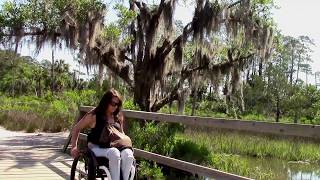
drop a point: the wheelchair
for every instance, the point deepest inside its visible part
(89, 167)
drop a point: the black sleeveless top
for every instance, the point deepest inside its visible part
(95, 133)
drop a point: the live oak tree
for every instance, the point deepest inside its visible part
(143, 47)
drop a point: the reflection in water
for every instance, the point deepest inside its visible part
(304, 171)
(287, 170)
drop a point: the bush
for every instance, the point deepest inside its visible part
(157, 138)
(31, 113)
(129, 104)
(191, 152)
(255, 117)
(149, 170)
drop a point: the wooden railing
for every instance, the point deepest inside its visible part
(281, 129)
(171, 162)
(179, 164)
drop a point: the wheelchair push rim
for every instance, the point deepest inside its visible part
(80, 168)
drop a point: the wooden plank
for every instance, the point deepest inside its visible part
(179, 164)
(186, 166)
(15, 169)
(32, 177)
(282, 129)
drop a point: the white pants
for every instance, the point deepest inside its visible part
(117, 160)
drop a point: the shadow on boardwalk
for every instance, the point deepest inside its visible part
(38, 154)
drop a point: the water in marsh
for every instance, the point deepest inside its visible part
(284, 170)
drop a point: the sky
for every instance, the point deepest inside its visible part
(294, 18)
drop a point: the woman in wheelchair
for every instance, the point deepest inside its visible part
(107, 138)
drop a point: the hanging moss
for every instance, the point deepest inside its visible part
(157, 53)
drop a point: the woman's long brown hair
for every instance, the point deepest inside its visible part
(106, 99)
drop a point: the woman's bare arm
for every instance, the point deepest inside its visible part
(87, 121)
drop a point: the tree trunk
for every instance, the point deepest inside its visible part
(142, 89)
(260, 67)
(248, 75)
(194, 100)
(13, 78)
(295, 120)
(181, 106)
(291, 68)
(242, 98)
(39, 87)
(52, 71)
(298, 69)
(181, 100)
(100, 76)
(306, 77)
(278, 110)
(170, 108)
(253, 69)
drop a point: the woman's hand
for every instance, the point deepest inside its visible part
(74, 152)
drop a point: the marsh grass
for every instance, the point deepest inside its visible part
(255, 145)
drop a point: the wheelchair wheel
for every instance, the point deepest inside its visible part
(83, 168)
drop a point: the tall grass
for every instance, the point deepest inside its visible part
(162, 139)
(220, 141)
(52, 113)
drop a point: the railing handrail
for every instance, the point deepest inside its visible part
(282, 129)
(181, 165)
(168, 161)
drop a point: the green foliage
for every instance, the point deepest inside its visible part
(295, 103)
(303, 104)
(256, 117)
(111, 32)
(237, 165)
(125, 15)
(129, 104)
(149, 171)
(45, 13)
(51, 113)
(191, 152)
(83, 7)
(25, 76)
(115, 32)
(256, 97)
(81, 98)
(219, 141)
(205, 108)
(16, 13)
(193, 148)
(157, 138)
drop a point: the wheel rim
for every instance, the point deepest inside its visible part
(81, 171)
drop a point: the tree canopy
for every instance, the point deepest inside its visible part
(144, 48)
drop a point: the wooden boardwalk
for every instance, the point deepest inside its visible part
(33, 156)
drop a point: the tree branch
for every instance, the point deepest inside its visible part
(234, 4)
(112, 61)
(36, 33)
(167, 47)
(173, 95)
(128, 59)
